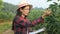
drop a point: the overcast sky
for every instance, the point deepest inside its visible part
(35, 3)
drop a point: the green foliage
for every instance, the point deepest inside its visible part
(8, 11)
(6, 16)
(58, 0)
(49, 0)
(53, 20)
(1, 5)
(9, 8)
(52, 0)
(5, 26)
(35, 13)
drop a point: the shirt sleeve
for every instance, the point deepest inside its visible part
(37, 21)
(33, 23)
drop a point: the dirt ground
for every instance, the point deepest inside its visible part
(8, 32)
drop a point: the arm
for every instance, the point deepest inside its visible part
(37, 21)
(33, 23)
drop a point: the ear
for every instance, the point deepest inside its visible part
(21, 10)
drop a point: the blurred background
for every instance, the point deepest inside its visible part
(52, 22)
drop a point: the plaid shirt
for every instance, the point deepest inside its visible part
(21, 25)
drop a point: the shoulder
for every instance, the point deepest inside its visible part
(18, 18)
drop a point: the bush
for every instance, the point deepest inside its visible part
(6, 16)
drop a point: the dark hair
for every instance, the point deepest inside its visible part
(19, 13)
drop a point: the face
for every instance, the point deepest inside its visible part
(25, 11)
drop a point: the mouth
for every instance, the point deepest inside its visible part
(27, 13)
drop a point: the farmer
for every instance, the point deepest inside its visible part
(21, 25)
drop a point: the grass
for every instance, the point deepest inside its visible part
(4, 26)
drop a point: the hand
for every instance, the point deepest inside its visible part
(46, 13)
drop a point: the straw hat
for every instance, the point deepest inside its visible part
(24, 3)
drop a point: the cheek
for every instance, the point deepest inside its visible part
(26, 11)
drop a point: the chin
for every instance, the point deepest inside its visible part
(26, 14)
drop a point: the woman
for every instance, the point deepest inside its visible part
(21, 25)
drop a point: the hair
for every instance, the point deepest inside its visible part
(19, 13)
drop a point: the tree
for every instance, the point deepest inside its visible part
(1, 5)
(52, 22)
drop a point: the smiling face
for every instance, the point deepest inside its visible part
(25, 10)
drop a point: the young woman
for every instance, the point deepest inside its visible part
(21, 25)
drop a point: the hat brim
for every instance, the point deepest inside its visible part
(30, 6)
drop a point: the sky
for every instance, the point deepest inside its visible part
(35, 3)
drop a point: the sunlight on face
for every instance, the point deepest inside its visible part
(26, 10)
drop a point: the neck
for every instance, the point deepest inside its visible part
(23, 16)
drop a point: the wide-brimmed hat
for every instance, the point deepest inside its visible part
(24, 3)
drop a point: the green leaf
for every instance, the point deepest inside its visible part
(49, 0)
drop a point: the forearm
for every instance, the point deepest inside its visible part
(37, 21)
